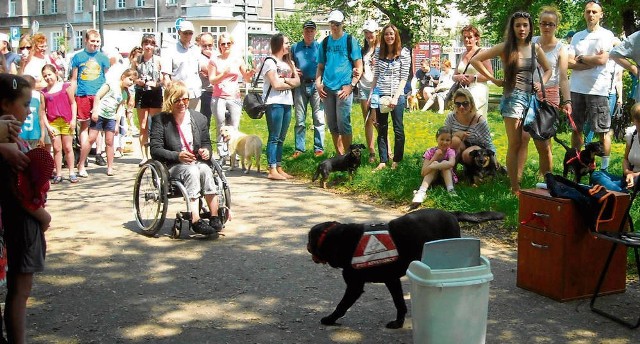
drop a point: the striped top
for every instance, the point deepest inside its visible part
(479, 133)
(389, 73)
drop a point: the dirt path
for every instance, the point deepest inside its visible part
(106, 283)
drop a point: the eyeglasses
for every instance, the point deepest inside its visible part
(187, 33)
(521, 14)
(184, 101)
(547, 24)
(463, 104)
(28, 47)
(225, 44)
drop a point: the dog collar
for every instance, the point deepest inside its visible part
(324, 234)
(577, 157)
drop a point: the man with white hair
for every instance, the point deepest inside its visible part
(181, 63)
(12, 60)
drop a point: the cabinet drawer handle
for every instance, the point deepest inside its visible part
(541, 215)
(544, 247)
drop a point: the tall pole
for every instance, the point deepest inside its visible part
(101, 21)
(155, 15)
(430, 27)
(246, 32)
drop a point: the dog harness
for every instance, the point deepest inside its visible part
(591, 166)
(376, 247)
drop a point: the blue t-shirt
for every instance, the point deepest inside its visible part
(11, 58)
(91, 70)
(306, 58)
(31, 125)
(337, 67)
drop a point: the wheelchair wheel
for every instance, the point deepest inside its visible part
(223, 191)
(150, 197)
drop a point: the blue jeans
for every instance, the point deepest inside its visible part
(338, 113)
(303, 96)
(609, 181)
(398, 131)
(278, 120)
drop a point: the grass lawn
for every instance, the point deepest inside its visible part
(395, 187)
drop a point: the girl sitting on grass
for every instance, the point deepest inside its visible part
(438, 161)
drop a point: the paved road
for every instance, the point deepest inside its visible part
(106, 283)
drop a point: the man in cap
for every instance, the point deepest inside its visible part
(339, 69)
(11, 59)
(181, 63)
(590, 80)
(305, 56)
(627, 54)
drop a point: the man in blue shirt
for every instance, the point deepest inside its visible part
(305, 56)
(339, 69)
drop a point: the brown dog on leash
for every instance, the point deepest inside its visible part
(246, 146)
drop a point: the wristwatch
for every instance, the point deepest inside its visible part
(353, 84)
(580, 59)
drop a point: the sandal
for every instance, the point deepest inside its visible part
(73, 178)
(56, 180)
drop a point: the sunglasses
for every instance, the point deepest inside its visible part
(187, 33)
(335, 23)
(225, 44)
(184, 101)
(547, 24)
(463, 104)
(28, 47)
(521, 14)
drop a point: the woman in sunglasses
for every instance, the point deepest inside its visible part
(470, 128)
(37, 59)
(225, 71)
(516, 55)
(180, 139)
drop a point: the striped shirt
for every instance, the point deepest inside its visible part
(389, 73)
(479, 133)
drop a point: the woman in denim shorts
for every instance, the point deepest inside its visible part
(515, 53)
(370, 30)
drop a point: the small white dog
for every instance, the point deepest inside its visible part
(246, 146)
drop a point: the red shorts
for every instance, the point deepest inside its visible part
(85, 105)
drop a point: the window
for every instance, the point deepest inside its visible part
(172, 2)
(172, 32)
(120, 3)
(57, 38)
(40, 6)
(147, 29)
(79, 5)
(104, 4)
(77, 44)
(139, 3)
(54, 6)
(215, 31)
(12, 8)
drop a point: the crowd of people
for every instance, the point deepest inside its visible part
(47, 105)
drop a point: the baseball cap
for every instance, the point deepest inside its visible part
(309, 24)
(336, 16)
(570, 34)
(186, 26)
(370, 25)
(4, 37)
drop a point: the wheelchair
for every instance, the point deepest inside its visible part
(153, 188)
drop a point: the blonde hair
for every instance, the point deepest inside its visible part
(227, 36)
(463, 92)
(551, 9)
(177, 90)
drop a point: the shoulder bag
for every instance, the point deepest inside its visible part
(253, 103)
(541, 118)
(456, 85)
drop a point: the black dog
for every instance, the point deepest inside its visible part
(483, 164)
(335, 243)
(348, 162)
(580, 163)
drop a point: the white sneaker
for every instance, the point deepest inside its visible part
(419, 196)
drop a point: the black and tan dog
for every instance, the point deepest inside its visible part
(348, 162)
(336, 244)
(580, 163)
(483, 164)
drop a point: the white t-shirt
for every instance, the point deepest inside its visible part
(283, 70)
(634, 152)
(593, 81)
(552, 57)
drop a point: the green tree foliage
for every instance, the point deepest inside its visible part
(291, 26)
(411, 17)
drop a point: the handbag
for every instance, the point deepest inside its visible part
(456, 85)
(541, 119)
(253, 103)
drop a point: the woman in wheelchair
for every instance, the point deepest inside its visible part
(180, 139)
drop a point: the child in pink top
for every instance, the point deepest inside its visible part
(60, 105)
(438, 161)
